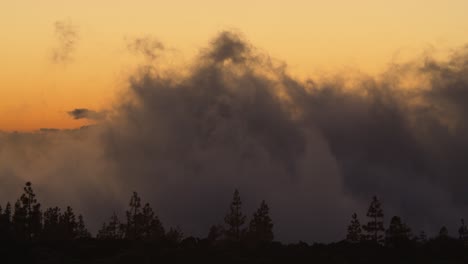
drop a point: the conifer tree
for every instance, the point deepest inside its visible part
(174, 235)
(261, 225)
(27, 217)
(152, 227)
(235, 219)
(52, 229)
(215, 233)
(134, 218)
(7, 213)
(81, 230)
(111, 231)
(68, 224)
(422, 237)
(5, 223)
(398, 233)
(19, 220)
(375, 227)
(354, 230)
(443, 233)
(463, 231)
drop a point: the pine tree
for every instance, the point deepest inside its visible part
(398, 233)
(235, 219)
(443, 233)
(261, 225)
(375, 227)
(151, 226)
(134, 221)
(354, 230)
(27, 218)
(19, 220)
(68, 224)
(81, 231)
(52, 229)
(5, 223)
(7, 213)
(111, 231)
(215, 233)
(422, 238)
(33, 211)
(174, 235)
(463, 231)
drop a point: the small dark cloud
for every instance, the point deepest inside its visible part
(147, 46)
(67, 36)
(84, 113)
(47, 130)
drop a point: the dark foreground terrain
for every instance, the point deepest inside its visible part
(193, 250)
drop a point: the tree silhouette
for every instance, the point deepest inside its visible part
(68, 224)
(152, 227)
(33, 212)
(52, 230)
(422, 237)
(81, 230)
(5, 223)
(235, 219)
(443, 233)
(215, 233)
(19, 220)
(261, 225)
(134, 220)
(375, 227)
(398, 233)
(174, 235)
(354, 230)
(113, 230)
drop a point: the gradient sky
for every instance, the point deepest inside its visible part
(311, 36)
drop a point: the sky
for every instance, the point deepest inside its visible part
(314, 106)
(311, 37)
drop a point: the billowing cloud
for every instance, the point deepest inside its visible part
(316, 150)
(67, 36)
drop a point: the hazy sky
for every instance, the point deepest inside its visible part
(192, 100)
(310, 36)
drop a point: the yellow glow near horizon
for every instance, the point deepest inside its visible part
(311, 36)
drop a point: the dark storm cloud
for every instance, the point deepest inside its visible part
(67, 36)
(84, 113)
(315, 150)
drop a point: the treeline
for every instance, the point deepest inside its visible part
(398, 234)
(27, 221)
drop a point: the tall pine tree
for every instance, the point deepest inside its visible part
(398, 233)
(235, 219)
(375, 227)
(354, 230)
(134, 218)
(52, 230)
(111, 231)
(261, 225)
(81, 230)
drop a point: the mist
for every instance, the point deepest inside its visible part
(315, 150)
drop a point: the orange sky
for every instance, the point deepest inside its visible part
(311, 36)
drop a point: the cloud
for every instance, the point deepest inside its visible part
(84, 113)
(316, 150)
(147, 46)
(67, 37)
